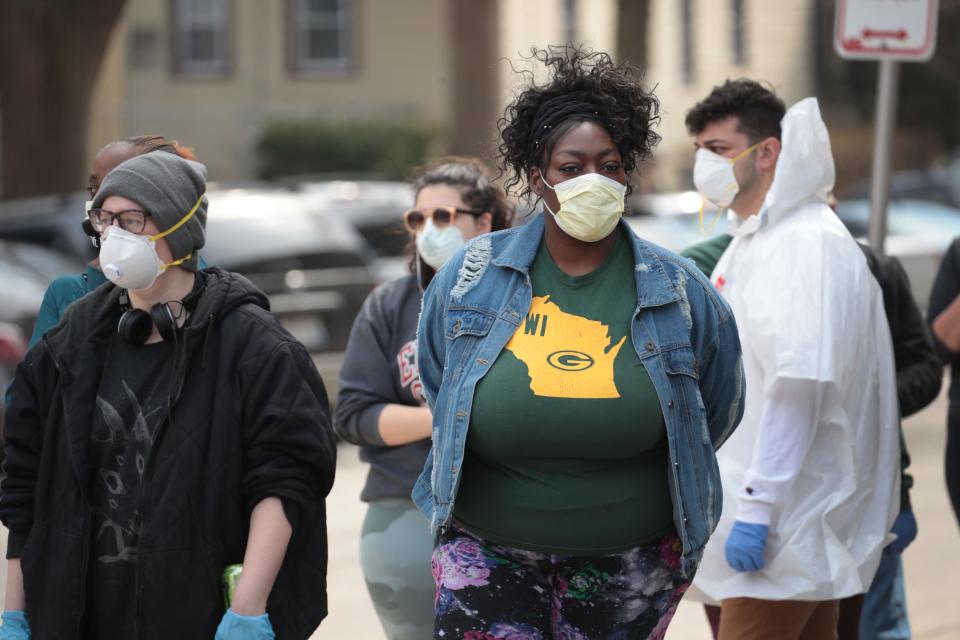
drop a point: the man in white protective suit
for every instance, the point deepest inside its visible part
(809, 495)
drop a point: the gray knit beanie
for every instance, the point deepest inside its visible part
(167, 187)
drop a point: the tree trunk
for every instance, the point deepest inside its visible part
(473, 31)
(633, 18)
(51, 52)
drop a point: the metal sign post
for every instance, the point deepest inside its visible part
(888, 31)
(887, 85)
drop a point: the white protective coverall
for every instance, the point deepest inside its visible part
(817, 454)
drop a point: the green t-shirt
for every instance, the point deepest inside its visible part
(567, 449)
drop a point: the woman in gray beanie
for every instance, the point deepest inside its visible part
(167, 429)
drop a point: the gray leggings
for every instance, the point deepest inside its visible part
(395, 551)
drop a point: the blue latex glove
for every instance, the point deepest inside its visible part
(905, 526)
(237, 627)
(15, 626)
(745, 546)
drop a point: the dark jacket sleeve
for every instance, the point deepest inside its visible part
(289, 449)
(365, 379)
(946, 287)
(23, 443)
(919, 372)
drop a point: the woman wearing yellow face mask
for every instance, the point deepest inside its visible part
(580, 379)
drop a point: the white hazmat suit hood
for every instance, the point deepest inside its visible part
(817, 453)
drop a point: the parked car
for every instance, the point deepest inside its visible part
(918, 234)
(375, 209)
(312, 266)
(937, 184)
(49, 221)
(25, 272)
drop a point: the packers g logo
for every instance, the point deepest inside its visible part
(570, 360)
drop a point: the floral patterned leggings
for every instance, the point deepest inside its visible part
(487, 591)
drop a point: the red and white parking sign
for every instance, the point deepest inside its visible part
(903, 30)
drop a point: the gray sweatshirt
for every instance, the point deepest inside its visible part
(380, 368)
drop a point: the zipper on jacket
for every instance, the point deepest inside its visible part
(84, 562)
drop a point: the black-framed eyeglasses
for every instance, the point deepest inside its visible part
(132, 220)
(415, 219)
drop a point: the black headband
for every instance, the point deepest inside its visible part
(578, 105)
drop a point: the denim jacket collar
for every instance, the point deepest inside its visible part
(653, 289)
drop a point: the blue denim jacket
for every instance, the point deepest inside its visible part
(683, 332)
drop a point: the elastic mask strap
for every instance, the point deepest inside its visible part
(716, 218)
(549, 186)
(182, 222)
(743, 153)
(176, 263)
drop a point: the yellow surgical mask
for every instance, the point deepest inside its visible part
(591, 205)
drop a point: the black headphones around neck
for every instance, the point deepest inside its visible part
(136, 325)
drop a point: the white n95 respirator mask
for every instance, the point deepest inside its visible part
(131, 261)
(714, 178)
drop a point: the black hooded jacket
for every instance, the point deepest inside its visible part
(247, 419)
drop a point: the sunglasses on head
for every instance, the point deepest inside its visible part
(415, 219)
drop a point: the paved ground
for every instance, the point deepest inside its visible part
(932, 562)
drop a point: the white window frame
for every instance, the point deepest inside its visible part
(185, 18)
(301, 20)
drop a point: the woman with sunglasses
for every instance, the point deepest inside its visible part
(580, 379)
(381, 406)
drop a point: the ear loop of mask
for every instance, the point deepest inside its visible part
(183, 221)
(549, 186)
(703, 201)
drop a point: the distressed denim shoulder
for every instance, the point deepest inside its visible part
(683, 332)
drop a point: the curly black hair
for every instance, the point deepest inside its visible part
(757, 108)
(586, 86)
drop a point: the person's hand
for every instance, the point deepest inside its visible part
(745, 546)
(236, 627)
(15, 626)
(905, 526)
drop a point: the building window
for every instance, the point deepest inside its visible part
(739, 39)
(321, 35)
(201, 37)
(143, 47)
(687, 55)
